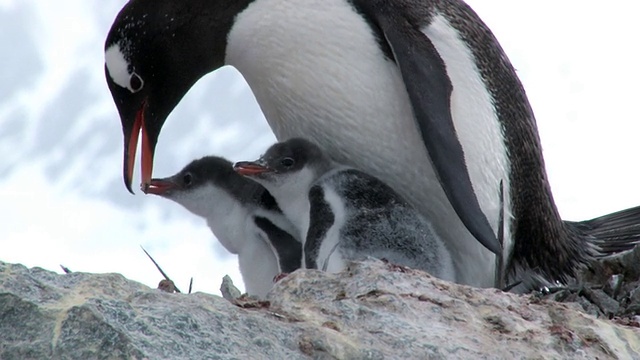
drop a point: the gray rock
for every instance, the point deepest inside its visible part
(228, 290)
(613, 285)
(370, 311)
(608, 288)
(633, 302)
(607, 305)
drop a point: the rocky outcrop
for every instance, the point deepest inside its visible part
(372, 310)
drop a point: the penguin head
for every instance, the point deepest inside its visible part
(154, 53)
(296, 161)
(196, 186)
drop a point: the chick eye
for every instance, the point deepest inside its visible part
(187, 179)
(287, 162)
(135, 83)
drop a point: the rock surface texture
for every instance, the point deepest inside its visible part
(373, 310)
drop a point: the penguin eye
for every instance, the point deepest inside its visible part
(187, 179)
(135, 83)
(287, 162)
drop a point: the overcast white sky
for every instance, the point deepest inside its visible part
(61, 196)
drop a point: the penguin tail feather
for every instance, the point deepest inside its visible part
(611, 234)
(607, 235)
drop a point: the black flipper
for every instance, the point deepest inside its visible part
(288, 249)
(429, 87)
(321, 218)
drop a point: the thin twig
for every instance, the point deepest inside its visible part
(160, 269)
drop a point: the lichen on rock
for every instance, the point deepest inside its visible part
(372, 310)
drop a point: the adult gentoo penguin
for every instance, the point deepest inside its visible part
(241, 214)
(345, 214)
(416, 93)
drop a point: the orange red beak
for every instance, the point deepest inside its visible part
(131, 148)
(248, 168)
(159, 186)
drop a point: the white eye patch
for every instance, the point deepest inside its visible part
(118, 69)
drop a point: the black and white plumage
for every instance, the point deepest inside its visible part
(418, 93)
(345, 214)
(243, 216)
